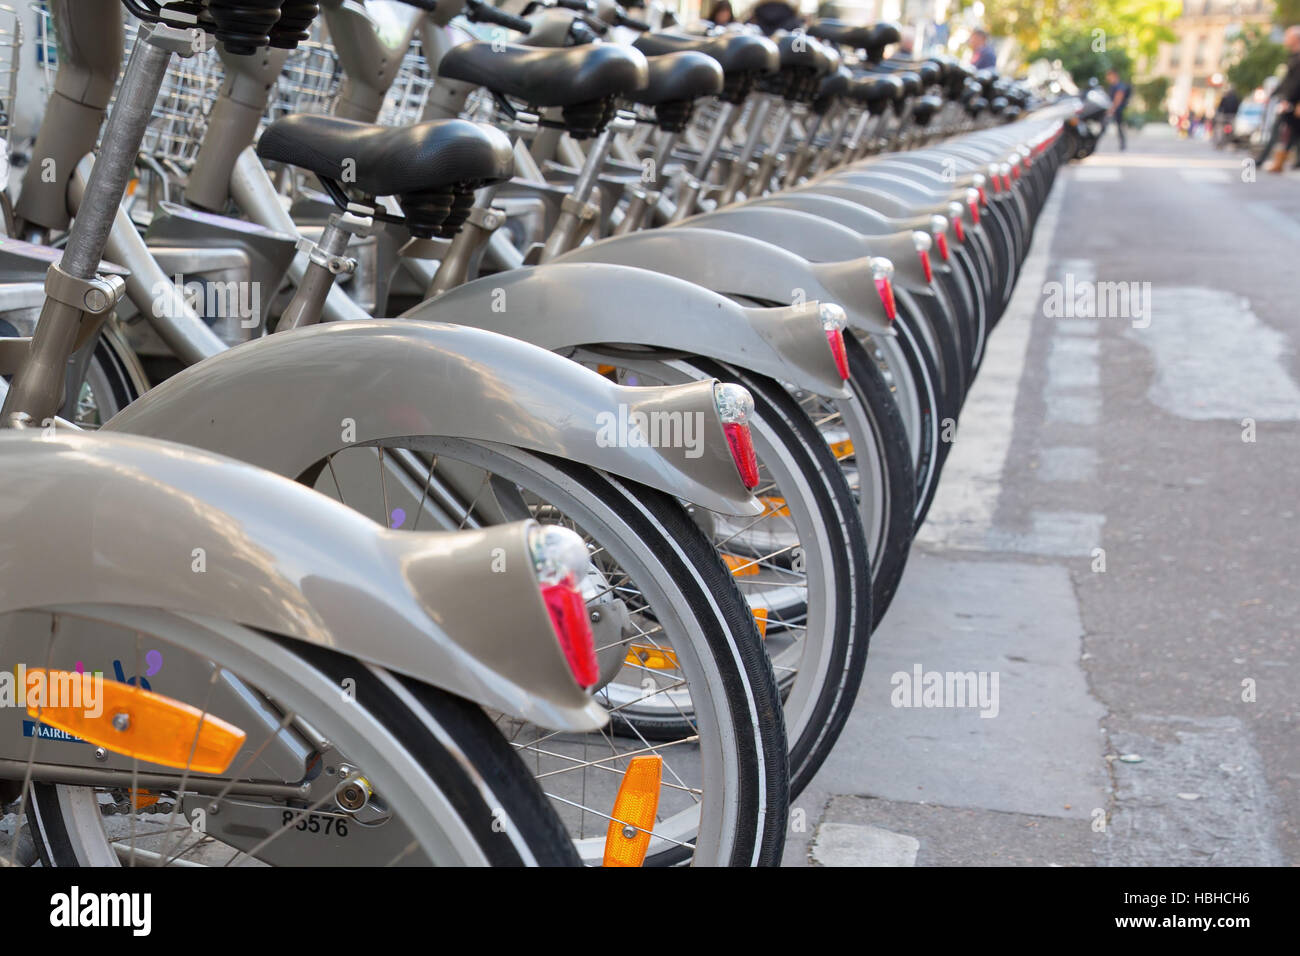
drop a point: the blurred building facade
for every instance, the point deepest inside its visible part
(1194, 64)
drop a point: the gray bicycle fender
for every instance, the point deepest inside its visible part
(226, 540)
(731, 261)
(829, 247)
(566, 305)
(819, 239)
(889, 206)
(283, 402)
(860, 219)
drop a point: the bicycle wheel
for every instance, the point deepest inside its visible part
(673, 638)
(343, 763)
(869, 438)
(793, 456)
(802, 566)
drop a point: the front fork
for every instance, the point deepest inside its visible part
(77, 298)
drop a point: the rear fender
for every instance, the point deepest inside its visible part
(730, 261)
(225, 540)
(287, 401)
(823, 242)
(567, 305)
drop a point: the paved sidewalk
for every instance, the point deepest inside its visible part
(1114, 538)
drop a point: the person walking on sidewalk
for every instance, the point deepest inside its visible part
(1286, 130)
(1120, 92)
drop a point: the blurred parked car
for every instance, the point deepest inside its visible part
(1246, 128)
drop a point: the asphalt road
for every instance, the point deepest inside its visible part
(1115, 540)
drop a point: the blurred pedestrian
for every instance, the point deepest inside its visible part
(982, 55)
(1286, 130)
(1224, 116)
(1119, 91)
(721, 14)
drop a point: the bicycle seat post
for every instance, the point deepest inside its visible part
(326, 259)
(646, 194)
(693, 183)
(77, 299)
(576, 211)
(740, 168)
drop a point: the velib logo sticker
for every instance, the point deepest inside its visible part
(122, 910)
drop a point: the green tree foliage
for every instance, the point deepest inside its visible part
(1083, 56)
(1136, 27)
(1150, 97)
(1286, 13)
(1254, 58)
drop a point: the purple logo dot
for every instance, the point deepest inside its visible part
(398, 518)
(153, 663)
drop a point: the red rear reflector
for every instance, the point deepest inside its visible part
(942, 240)
(925, 264)
(961, 229)
(974, 213)
(886, 290)
(742, 453)
(572, 628)
(984, 199)
(836, 339)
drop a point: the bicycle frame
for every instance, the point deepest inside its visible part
(561, 397)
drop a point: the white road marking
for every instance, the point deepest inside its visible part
(1064, 463)
(1065, 370)
(1074, 345)
(1066, 534)
(962, 513)
(1205, 174)
(1077, 326)
(1097, 174)
(1071, 409)
(1215, 359)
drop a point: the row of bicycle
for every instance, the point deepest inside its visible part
(577, 559)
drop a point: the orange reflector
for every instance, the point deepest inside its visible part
(139, 723)
(655, 658)
(143, 798)
(607, 370)
(842, 449)
(760, 618)
(740, 567)
(132, 186)
(628, 836)
(773, 506)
